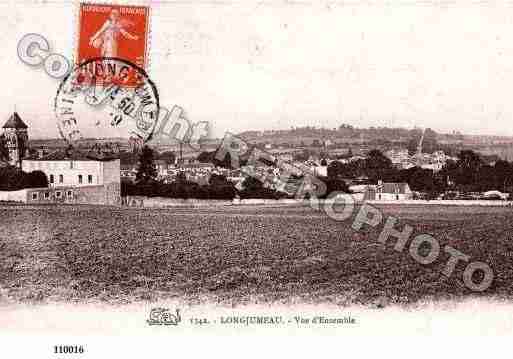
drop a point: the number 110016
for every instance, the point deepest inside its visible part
(68, 349)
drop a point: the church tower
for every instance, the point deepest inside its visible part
(16, 139)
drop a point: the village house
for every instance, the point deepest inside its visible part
(74, 178)
(388, 191)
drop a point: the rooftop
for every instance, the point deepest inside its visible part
(197, 165)
(15, 122)
(71, 155)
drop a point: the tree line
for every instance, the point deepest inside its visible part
(469, 173)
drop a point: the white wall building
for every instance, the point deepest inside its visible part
(76, 179)
(388, 191)
(75, 172)
(320, 171)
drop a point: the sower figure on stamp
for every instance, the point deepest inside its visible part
(107, 36)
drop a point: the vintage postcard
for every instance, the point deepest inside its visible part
(320, 178)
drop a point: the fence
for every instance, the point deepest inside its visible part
(447, 202)
(162, 202)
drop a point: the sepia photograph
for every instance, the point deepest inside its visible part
(327, 169)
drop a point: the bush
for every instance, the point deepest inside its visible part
(13, 179)
(180, 189)
(36, 179)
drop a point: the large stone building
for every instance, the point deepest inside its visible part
(74, 169)
(73, 177)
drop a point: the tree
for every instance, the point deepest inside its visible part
(448, 172)
(11, 178)
(334, 185)
(469, 160)
(468, 167)
(504, 174)
(337, 169)
(128, 158)
(220, 188)
(487, 179)
(146, 172)
(376, 160)
(206, 157)
(253, 188)
(421, 180)
(36, 179)
(218, 180)
(252, 184)
(469, 172)
(377, 166)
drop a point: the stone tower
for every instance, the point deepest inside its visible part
(16, 139)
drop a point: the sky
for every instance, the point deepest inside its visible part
(247, 65)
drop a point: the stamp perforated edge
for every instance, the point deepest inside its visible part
(76, 26)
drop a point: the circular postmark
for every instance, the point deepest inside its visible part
(106, 98)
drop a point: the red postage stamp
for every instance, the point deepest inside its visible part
(119, 31)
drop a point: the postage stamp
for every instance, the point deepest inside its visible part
(108, 30)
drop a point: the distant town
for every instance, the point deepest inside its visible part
(376, 163)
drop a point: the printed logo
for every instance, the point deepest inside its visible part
(162, 316)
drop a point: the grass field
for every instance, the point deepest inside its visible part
(239, 255)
